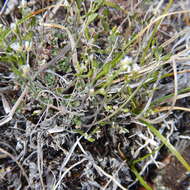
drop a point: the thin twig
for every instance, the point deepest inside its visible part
(20, 166)
(162, 117)
(66, 171)
(56, 59)
(12, 112)
(166, 108)
(40, 159)
(4, 6)
(109, 176)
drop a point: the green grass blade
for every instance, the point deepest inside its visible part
(167, 143)
(141, 180)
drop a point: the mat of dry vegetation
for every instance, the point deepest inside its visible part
(94, 94)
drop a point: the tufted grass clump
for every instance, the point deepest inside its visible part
(98, 75)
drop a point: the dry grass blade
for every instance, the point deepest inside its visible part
(40, 159)
(109, 176)
(167, 108)
(55, 60)
(6, 105)
(3, 8)
(66, 171)
(140, 34)
(173, 38)
(149, 100)
(72, 41)
(107, 184)
(55, 9)
(13, 110)
(162, 117)
(95, 68)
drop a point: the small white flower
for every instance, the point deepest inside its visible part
(126, 62)
(13, 27)
(129, 65)
(27, 45)
(16, 46)
(23, 4)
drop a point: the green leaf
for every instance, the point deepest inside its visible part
(91, 18)
(141, 180)
(112, 5)
(108, 66)
(85, 135)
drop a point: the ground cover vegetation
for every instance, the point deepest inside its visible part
(94, 94)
